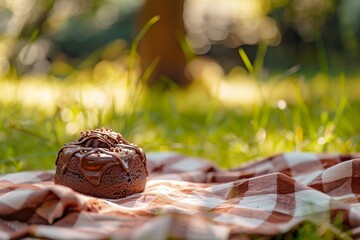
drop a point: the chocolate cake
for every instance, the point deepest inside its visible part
(102, 163)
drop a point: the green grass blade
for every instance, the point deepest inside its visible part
(136, 42)
(343, 102)
(149, 70)
(246, 61)
(260, 59)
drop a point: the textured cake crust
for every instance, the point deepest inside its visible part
(115, 182)
(99, 170)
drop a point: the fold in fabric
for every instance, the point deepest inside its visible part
(190, 198)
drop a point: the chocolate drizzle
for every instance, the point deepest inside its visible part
(98, 150)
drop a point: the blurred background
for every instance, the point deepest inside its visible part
(192, 79)
(57, 37)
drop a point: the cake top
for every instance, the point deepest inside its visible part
(99, 149)
(104, 138)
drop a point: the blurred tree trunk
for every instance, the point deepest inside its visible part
(163, 41)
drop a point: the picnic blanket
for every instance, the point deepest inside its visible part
(190, 198)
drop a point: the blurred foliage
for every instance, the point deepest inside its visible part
(53, 36)
(49, 36)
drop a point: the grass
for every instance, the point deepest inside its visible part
(227, 119)
(292, 116)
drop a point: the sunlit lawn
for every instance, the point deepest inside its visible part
(227, 119)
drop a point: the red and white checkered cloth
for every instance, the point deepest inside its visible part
(190, 198)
